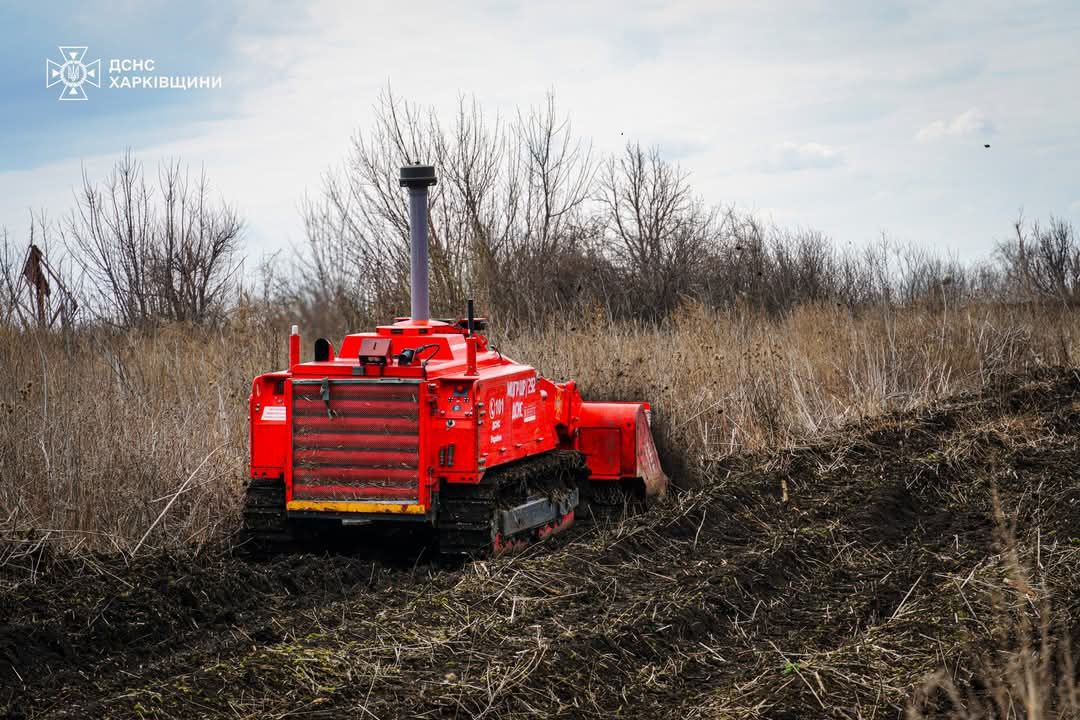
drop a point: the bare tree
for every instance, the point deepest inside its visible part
(196, 242)
(659, 230)
(1043, 261)
(111, 234)
(508, 200)
(151, 253)
(558, 171)
(361, 222)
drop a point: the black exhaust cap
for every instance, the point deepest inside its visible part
(416, 176)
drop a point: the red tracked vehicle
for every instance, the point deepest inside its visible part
(424, 422)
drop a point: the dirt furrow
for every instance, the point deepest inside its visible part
(828, 578)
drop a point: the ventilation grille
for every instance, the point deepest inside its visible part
(366, 448)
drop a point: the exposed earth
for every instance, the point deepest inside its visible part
(827, 580)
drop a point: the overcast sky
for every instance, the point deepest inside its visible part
(852, 117)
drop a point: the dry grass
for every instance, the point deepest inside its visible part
(723, 384)
(1023, 666)
(101, 431)
(931, 543)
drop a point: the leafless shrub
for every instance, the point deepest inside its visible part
(659, 232)
(150, 253)
(1043, 262)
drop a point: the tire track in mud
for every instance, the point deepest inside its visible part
(727, 602)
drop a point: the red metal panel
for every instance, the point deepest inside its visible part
(354, 474)
(648, 461)
(370, 390)
(304, 423)
(406, 409)
(356, 456)
(356, 492)
(269, 431)
(602, 448)
(631, 455)
(367, 441)
(362, 442)
(517, 422)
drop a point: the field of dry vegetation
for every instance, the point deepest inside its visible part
(849, 543)
(114, 439)
(875, 454)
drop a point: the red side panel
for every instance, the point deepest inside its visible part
(648, 461)
(617, 444)
(516, 422)
(269, 428)
(602, 448)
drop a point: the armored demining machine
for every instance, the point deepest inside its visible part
(423, 423)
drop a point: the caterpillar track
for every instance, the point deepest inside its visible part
(609, 502)
(513, 505)
(265, 526)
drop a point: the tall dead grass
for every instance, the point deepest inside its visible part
(100, 431)
(725, 383)
(116, 440)
(1023, 667)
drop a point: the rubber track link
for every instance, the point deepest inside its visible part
(467, 524)
(265, 527)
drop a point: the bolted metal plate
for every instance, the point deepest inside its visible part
(536, 512)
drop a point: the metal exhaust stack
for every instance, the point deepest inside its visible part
(418, 178)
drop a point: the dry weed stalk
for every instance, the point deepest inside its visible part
(99, 429)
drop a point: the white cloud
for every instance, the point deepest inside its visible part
(970, 122)
(791, 157)
(715, 85)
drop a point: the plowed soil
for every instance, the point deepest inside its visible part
(824, 581)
